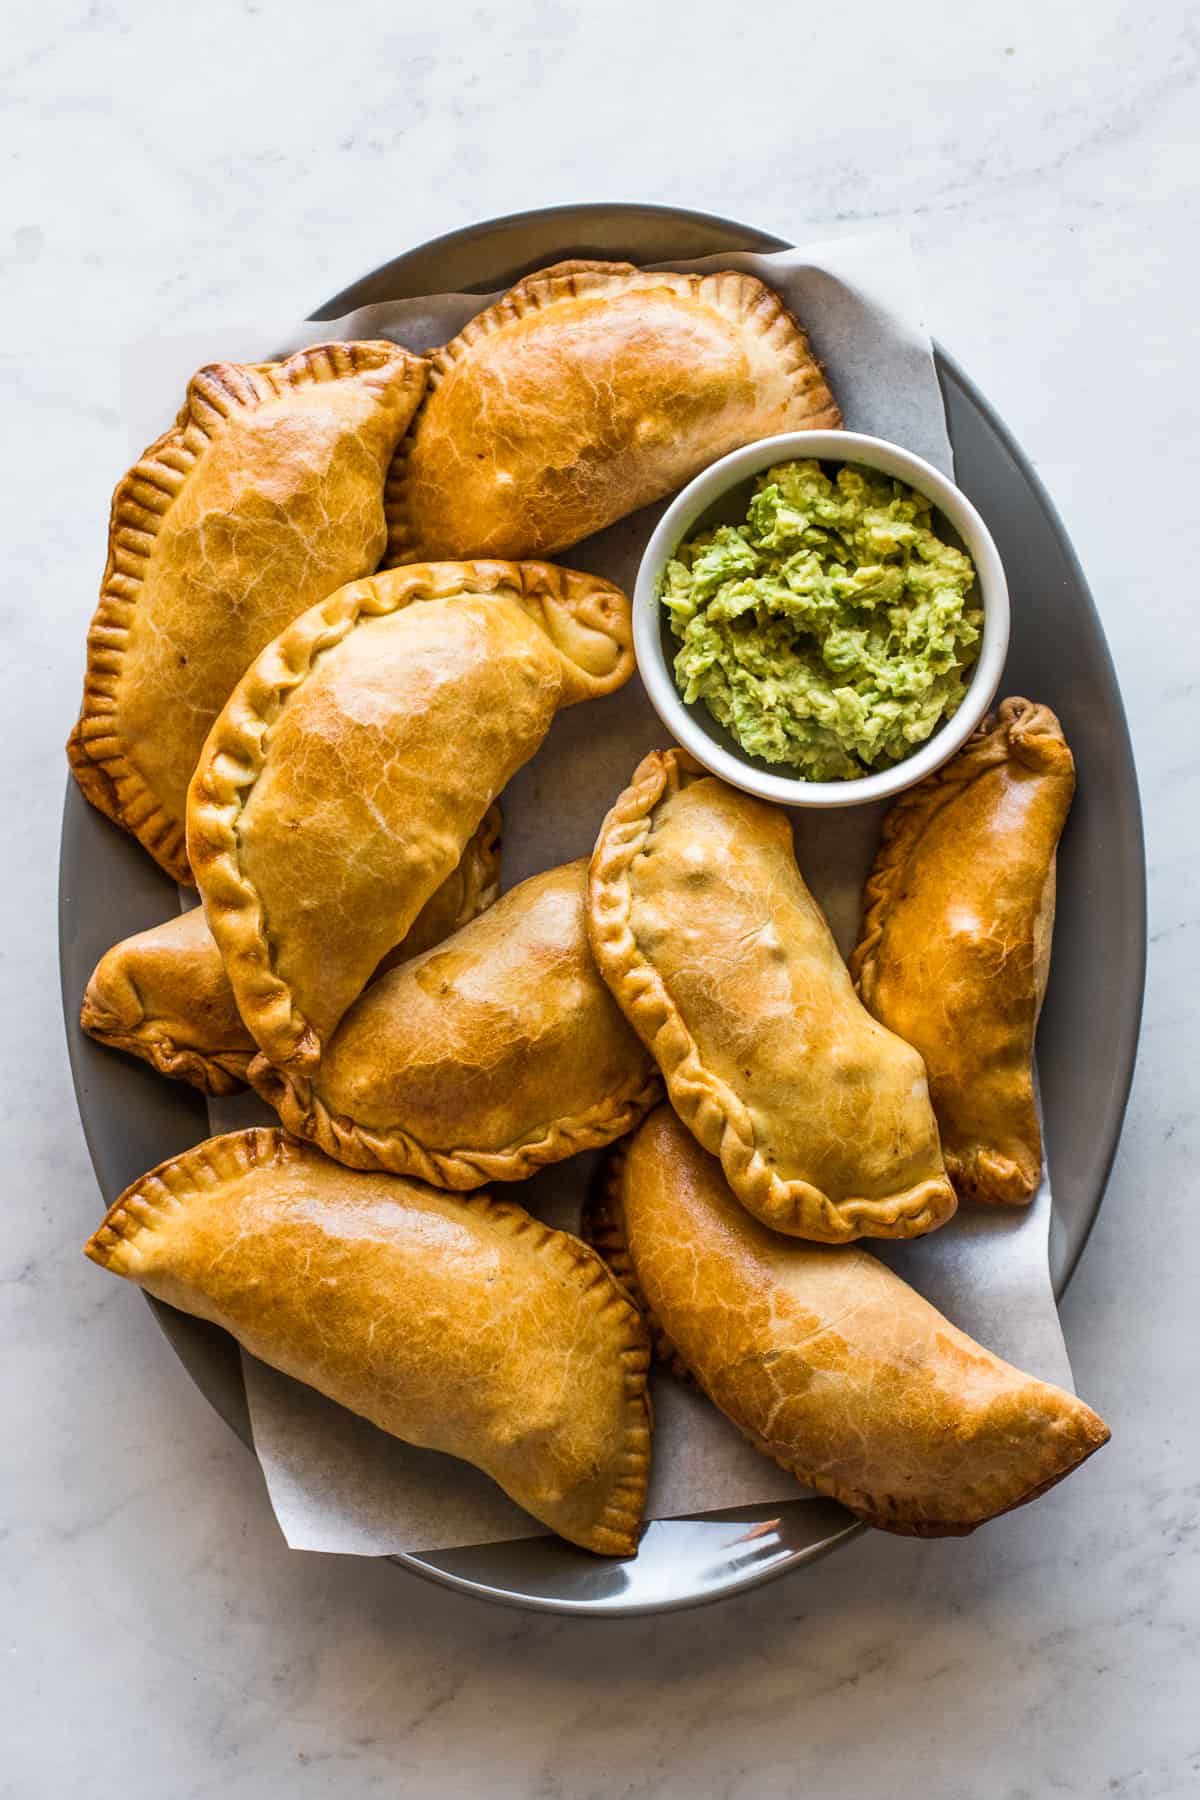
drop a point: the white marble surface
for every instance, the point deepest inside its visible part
(161, 160)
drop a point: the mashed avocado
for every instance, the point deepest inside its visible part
(830, 631)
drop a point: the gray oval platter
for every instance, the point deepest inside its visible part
(109, 888)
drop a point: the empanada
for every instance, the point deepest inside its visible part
(265, 495)
(357, 755)
(722, 962)
(462, 1325)
(954, 950)
(823, 1358)
(589, 390)
(483, 1060)
(164, 994)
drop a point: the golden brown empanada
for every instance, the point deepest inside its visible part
(265, 495)
(462, 1325)
(483, 1060)
(589, 390)
(357, 755)
(955, 943)
(823, 1358)
(722, 962)
(164, 994)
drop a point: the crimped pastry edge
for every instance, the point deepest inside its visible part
(714, 1114)
(169, 1185)
(219, 1076)
(225, 1074)
(99, 758)
(395, 1151)
(237, 748)
(738, 295)
(1019, 730)
(604, 1228)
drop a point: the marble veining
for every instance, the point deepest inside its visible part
(182, 164)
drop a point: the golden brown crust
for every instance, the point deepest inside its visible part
(586, 391)
(387, 749)
(212, 548)
(722, 963)
(459, 1323)
(828, 1363)
(953, 951)
(484, 1060)
(603, 1227)
(164, 996)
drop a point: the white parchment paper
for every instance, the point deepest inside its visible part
(337, 1483)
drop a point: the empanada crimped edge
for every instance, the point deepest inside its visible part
(114, 1012)
(1019, 730)
(236, 750)
(603, 1227)
(168, 1186)
(305, 1114)
(718, 1119)
(730, 291)
(142, 499)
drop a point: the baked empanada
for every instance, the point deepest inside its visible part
(482, 1060)
(462, 1325)
(722, 962)
(357, 755)
(954, 950)
(589, 390)
(265, 495)
(824, 1359)
(164, 994)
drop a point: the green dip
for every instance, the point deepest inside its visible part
(831, 631)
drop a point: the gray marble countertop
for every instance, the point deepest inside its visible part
(170, 163)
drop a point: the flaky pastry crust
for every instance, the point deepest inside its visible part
(826, 1361)
(720, 959)
(588, 390)
(264, 496)
(954, 948)
(357, 755)
(457, 1323)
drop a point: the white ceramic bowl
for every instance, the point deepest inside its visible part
(694, 726)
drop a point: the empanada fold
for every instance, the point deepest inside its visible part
(182, 1019)
(1019, 729)
(1014, 775)
(304, 1112)
(580, 615)
(741, 299)
(697, 1258)
(395, 1049)
(712, 1110)
(102, 761)
(146, 1237)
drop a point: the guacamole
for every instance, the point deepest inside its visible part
(831, 630)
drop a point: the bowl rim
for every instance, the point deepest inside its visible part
(685, 723)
